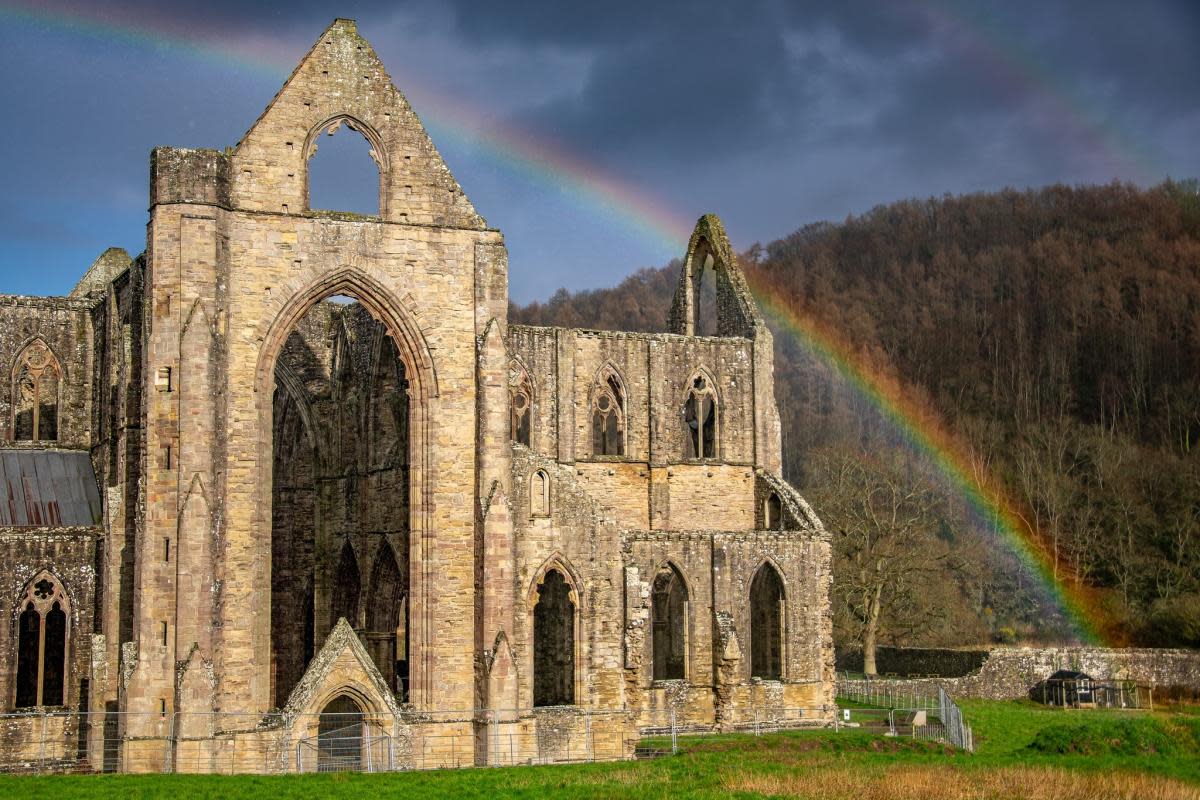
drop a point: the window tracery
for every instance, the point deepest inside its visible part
(521, 405)
(36, 379)
(608, 416)
(700, 419)
(42, 631)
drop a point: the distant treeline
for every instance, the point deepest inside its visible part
(1057, 332)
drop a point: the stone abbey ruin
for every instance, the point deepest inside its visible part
(237, 500)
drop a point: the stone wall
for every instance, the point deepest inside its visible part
(65, 327)
(67, 554)
(918, 662)
(1009, 673)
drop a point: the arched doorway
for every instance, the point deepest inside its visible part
(340, 736)
(340, 488)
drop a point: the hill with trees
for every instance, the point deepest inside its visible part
(1056, 332)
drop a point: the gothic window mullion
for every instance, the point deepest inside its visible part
(700, 420)
(43, 603)
(36, 394)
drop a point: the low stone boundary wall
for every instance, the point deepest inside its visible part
(923, 661)
(1009, 673)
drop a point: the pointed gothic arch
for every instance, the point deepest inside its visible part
(376, 151)
(37, 377)
(347, 587)
(767, 604)
(386, 617)
(284, 310)
(43, 614)
(554, 654)
(669, 611)
(557, 590)
(701, 417)
(735, 311)
(609, 415)
(520, 394)
(773, 512)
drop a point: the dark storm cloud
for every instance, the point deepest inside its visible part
(772, 112)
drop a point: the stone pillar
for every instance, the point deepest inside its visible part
(496, 684)
(767, 430)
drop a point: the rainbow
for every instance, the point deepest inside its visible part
(545, 162)
(927, 435)
(979, 34)
(539, 160)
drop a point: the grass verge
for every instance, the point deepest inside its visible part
(1024, 750)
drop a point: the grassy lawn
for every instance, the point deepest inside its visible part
(1023, 750)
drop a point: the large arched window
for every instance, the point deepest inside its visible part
(668, 611)
(36, 381)
(766, 624)
(554, 642)
(608, 416)
(521, 405)
(42, 631)
(700, 418)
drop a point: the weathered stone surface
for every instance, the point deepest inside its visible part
(300, 417)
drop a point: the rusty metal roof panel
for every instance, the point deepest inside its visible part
(48, 488)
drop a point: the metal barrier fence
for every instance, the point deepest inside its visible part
(958, 733)
(127, 742)
(905, 711)
(1089, 693)
(887, 694)
(63, 742)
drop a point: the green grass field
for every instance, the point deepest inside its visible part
(1022, 750)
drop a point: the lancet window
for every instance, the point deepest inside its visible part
(521, 404)
(668, 609)
(700, 419)
(554, 642)
(539, 494)
(766, 624)
(608, 416)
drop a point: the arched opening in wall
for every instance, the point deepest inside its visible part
(340, 736)
(521, 405)
(539, 494)
(766, 624)
(704, 290)
(608, 416)
(554, 642)
(669, 611)
(347, 587)
(385, 601)
(343, 171)
(340, 492)
(773, 513)
(35, 392)
(42, 638)
(700, 419)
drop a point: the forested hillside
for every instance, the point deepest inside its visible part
(1057, 333)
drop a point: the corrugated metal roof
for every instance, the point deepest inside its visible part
(48, 489)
